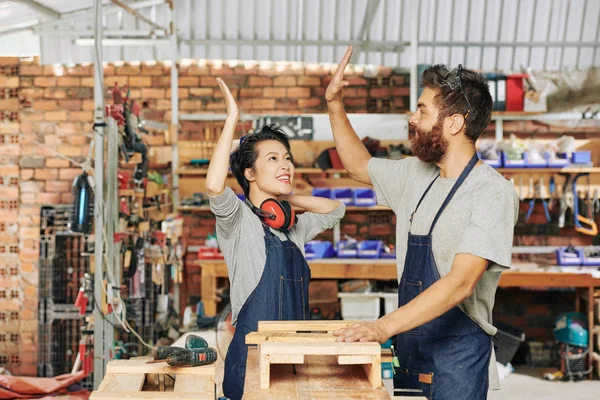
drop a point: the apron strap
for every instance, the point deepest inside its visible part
(422, 197)
(457, 185)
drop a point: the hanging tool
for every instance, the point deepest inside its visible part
(552, 201)
(538, 194)
(595, 204)
(592, 228)
(521, 198)
(567, 200)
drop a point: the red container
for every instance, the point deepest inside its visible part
(515, 94)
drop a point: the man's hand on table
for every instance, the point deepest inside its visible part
(363, 332)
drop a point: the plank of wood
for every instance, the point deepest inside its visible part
(302, 326)
(133, 367)
(122, 383)
(286, 358)
(194, 384)
(288, 337)
(338, 348)
(148, 395)
(349, 360)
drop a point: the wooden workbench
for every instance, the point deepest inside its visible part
(385, 269)
(319, 378)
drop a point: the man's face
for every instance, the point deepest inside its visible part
(428, 143)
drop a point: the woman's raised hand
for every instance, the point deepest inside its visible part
(232, 107)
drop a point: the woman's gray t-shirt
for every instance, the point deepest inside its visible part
(240, 235)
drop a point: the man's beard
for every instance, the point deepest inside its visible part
(430, 147)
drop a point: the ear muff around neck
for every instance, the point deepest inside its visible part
(275, 214)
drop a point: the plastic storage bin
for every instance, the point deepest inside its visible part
(581, 157)
(344, 252)
(390, 302)
(561, 160)
(509, 341)
(506, 163)
(591, 256)
(529, 163)
(364, 197)
(343, 195)
(322, 192)
(568, 258)
(369, 248)
(492, 163)
(318, 249)
(360, 306)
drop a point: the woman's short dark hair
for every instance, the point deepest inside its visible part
(246, 154)
(451, 101)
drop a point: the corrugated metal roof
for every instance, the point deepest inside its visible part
(487, 34)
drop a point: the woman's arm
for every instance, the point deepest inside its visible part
(317, 205)
(219, 162)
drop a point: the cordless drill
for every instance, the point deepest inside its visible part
(192, 342)
(189, 358)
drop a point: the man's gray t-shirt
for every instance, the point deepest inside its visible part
(240, 235)
(479, 220)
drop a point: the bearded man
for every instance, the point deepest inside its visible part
(454, 234)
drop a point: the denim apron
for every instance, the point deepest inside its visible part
(448, 357)
(281, 294)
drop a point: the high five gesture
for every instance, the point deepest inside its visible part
(337, 84)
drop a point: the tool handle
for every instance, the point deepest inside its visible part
(545, 203)
(530, 210)
(593, 228)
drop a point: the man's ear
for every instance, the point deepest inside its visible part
(455, 122)
(249, 174)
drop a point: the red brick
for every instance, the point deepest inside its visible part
(31, 116)
(43, 81)
(31, 93)
(216, 106)
(31, 187)
(78, 140)
(189, 81)
(9, 192)
(55, 116)
(357, 217)
(10, 105)
(152, 69)
(71, 151)
(401, 91)
(140, 81)
(260, 81)
(88, 105)
(87, 82)
(284, 81)
(70, 104)
(309, 81)
(28, 198)
(263, 104)
(309, 103)
(66, 198)
(198, 70)
(274, 92)
(128, 70)
(353, 80)
(81, 116)
(201, 92)
(163, 105)
(399, 102)
(46, 174)
(68, 173)
(153, 93)
(53, 140)
(109, 70)
(380, 92)
(57, 163)
(251, 69)
(161, 82)
(68, 81)
(189, 105)
(109, 81)
(355, 101)
(9, 81)
(55, 93)
(220, 70)
(296, 92)
(81, 70)
(8, 61)
(217, 94)
(67, 128)
(30, 70)
(251, 93)
(183, 93)
(48, 198)
(399, 80)
(26, 174)
(58, 186)
(208, 81)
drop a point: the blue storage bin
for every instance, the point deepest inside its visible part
(492, 163)
(581, 157)
(387, 255)
(343, 252)
(317, 249)
(535, 163)
(590, 259)
(364, 197)
(322, 192)
(369, 248)
(565, 258)
(343, 195)
(560, 161)
(506, 163)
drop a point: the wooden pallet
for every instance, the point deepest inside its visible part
(289, 342)
(134, 379)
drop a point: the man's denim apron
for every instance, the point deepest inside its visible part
(281, 294)
(448, 357)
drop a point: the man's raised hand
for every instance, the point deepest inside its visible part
(337, 84)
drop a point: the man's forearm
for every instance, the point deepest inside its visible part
(351, 150)
(317, 205)
(440, 297)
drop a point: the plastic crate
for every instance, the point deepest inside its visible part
(529, 163)
(322, 192)
(317, 249)
(565, 258)
(506, 163)
(343, 195)
(561, 160)
(343, 252)
(360, 306)
(591, 260)
(510, 339)
(581, 157)
(369, 248)
(492, 163)
(390, 302)
(364, 197)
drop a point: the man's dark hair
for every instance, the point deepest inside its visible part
(246, 154)
(451, 102)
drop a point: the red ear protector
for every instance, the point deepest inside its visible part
(278, 215)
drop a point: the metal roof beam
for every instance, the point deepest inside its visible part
(40, 8)
(372, 6)
(22, 26)
(137, 15)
